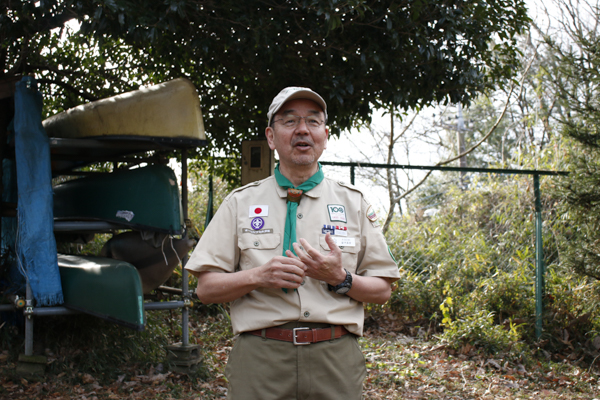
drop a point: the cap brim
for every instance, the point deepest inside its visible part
(299, 94)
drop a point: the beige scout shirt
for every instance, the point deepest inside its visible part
(233, 242)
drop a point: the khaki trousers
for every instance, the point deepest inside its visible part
(266, 369)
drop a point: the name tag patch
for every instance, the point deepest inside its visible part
(258, 232)
(344, 241)
(337, 212)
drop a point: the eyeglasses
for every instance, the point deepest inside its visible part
(292, 121)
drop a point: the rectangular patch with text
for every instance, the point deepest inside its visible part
(257, 232)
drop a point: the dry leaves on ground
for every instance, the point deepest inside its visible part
(399, 367)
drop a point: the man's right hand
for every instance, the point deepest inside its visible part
(281, 272)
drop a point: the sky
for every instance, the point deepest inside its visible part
(359, 145)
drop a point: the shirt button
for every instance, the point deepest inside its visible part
(303, 282)
(306, 314)
(300, 215)
(256, 244)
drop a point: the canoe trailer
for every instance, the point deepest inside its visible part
(126, 128)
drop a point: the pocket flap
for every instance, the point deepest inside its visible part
(265, 241)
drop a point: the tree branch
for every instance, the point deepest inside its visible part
(492, 129)
(390, 175)
(69, 88)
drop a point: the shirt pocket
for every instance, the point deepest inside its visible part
(256, 250)
(349, 253)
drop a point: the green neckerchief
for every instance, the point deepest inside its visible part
(289, 235)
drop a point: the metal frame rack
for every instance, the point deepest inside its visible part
(66, 156)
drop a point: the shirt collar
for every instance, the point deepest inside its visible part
(314, 192)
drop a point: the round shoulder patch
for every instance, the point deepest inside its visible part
(371, 214)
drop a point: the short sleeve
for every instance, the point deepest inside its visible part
(375, 258)
(217, 248)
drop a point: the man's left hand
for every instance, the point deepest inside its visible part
(327, 268)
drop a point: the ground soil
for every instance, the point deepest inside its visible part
(400, 366)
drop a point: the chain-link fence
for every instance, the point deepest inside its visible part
(469, 238)
(469, 244)
(481, 216)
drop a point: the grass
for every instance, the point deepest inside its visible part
(91, 359)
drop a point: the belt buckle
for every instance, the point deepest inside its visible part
(294, 337)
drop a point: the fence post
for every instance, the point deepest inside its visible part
(539, 259)
(185, 331)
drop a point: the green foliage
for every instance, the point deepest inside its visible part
(358, 54)
(91, 248)
(576, 81)
(461, 252)
(578, 204)
(479, 329)
(573, 311)
(414, 296)
(506, 294)
(198, 198)
(470, 267)
(81, 344)
(89, 344)
(575, 75)
(503, 146)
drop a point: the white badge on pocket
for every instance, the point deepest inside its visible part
(343, 241)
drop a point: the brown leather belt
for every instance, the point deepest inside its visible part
(301, 336)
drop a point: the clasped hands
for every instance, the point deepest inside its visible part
(289, 272)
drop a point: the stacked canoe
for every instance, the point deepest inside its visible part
(146, 199)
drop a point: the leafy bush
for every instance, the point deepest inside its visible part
(479, 329)
(413, 296)
(572, 318)
(478, 249)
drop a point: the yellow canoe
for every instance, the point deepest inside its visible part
(167, 110)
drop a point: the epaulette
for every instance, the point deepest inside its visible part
(349, 186)
(249, 185)
(354, 188)
(370, 213)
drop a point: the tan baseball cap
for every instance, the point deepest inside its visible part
(294, 92)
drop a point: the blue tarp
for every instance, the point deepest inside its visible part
(35, 243)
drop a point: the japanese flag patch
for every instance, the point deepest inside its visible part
(259, 211)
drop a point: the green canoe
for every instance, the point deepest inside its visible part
(143, 198)
(106, 288)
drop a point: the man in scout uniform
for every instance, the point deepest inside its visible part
(296, 255)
